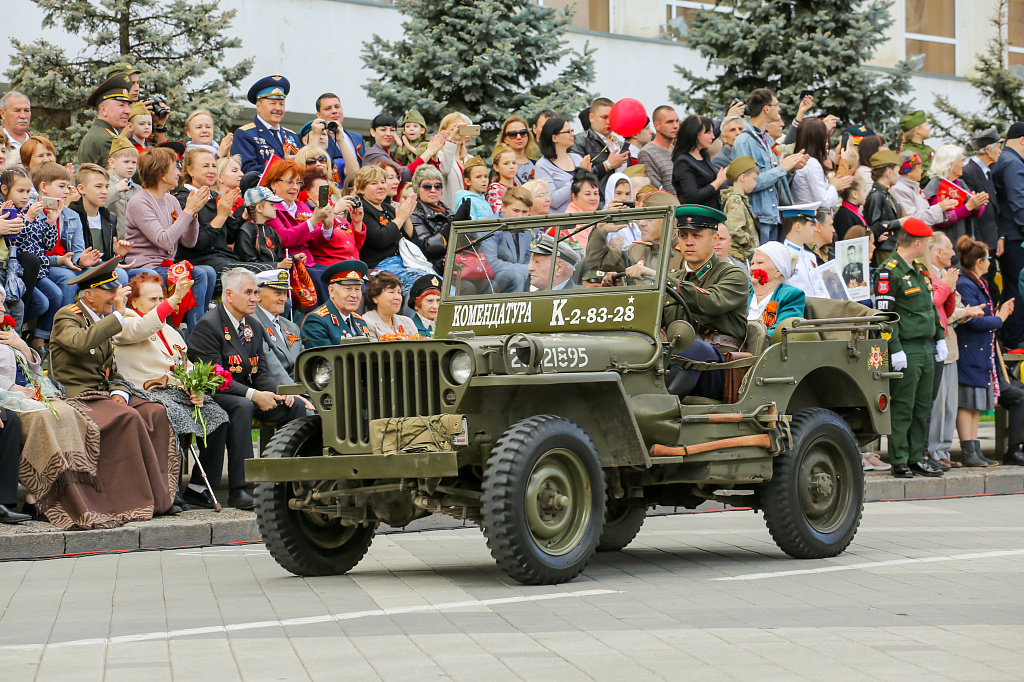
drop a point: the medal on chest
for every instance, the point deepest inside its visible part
(247, 334)
(235, 363)
(227, 334)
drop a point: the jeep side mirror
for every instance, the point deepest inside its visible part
(680, 336)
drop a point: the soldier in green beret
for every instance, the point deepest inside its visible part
(113, 103)
(915, 131)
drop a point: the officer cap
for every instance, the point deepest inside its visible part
(414, 117)
(175, 146)
(985, 138)
(274, 279)
(255, 195)
(739, 166)
(912, 120)
(345, 272)
(594, 276)
(697, 217)
(917, 228)
(545, 246)
(116, 87)
(117, 143)
(800, 210)
(139, 109)
(857, 132)
(269, 87)
(884, 157)
(427, 284)
(100, 276)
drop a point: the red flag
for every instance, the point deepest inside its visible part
(176, 271)
(274, 158)
(948, 190)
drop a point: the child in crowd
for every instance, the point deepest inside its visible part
(122, 164)
(256, 241)
(414, 142)
(199, 131)
(474, 177)
(503, 175)
(742, 172)
(508, 254)
(140, 126)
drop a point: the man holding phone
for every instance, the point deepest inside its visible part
(599, 143)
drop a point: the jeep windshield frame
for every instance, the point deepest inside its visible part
(634, 306)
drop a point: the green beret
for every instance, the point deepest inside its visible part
(739, 166)
(697, 217)
(912, 120)
(884, 157)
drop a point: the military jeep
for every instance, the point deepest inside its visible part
(544, 416)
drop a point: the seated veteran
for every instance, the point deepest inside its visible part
(383, 301)
(139, 455)
(541, 263)
(603, 254)
(798, 226)
(229, 335)
(280, 334)
(425, 299)
(716, 294)
(771, 299)
(337, 318)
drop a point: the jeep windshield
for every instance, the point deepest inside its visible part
(519, 274)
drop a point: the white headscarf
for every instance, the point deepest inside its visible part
(611, 182)
(779, 256)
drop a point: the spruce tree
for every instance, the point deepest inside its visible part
(793, 45)
(1001, 92)
(483, 58)
(179, 45)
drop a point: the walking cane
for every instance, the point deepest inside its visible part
(194, 449)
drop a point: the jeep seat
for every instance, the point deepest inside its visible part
(757, 340)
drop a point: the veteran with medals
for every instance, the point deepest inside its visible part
(337, 318)
(258, 141)
(280, 334)
(139, 455)
(230, 336)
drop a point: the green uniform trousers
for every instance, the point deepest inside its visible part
(911, 402)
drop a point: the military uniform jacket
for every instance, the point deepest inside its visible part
(285, 346)
(215, 339)
(81, 351)
(907, 289)
(717, 294)
(95, 146)
(325, 326)
(256, 143)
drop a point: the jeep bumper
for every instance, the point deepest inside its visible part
(352, 467)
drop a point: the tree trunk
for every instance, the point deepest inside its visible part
(124, 22)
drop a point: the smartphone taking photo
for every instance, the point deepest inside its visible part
(325, 192)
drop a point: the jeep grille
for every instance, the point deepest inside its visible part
(382, 381)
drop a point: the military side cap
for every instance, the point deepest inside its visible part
(139, 109)
(637, 170)
(424, 285)
(260, 193)
(474, 161)
(269, 87)
(912, 120)
(917, 228)
(116, 87)
(175, 146)
(100, 276)
(884, 157)
(414, 117)
(117, 143)
(656, 198)
(345, 272)
(697, 217)
(985, 138)
(739, 166)
(806, 210)
(274, 279)
(545, 246)
(121, 67)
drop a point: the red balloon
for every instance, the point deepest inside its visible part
(628, 117)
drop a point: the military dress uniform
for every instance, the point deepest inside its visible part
(255, 142)
(906, 288)
(95, 146)
(326, 325)
(280, 335)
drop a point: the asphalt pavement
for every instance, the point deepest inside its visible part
(929, 590)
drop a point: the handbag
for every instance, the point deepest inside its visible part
(412, 256)
(473, 266)
(303, 291)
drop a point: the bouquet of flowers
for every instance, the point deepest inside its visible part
(197, 380)
(39, 382)
(400, 337)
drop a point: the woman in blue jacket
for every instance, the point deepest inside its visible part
(771, 299)
(976, 339)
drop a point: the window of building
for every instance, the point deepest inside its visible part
(591, 15)
(679, 14)
(1015, 33)
(931, 35)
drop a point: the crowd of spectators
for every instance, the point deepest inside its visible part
(235, 226)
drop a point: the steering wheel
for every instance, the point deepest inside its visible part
(678, 298)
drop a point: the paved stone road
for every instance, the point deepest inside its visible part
(929, 591)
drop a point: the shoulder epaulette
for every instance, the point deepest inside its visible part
(641, 241)
(288, 130)
(891, 264)
(75, 309)
(322, 311)
(357, 316)
(248, 126)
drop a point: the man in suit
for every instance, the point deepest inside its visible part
(607, 153)
(337, 318)
(542, 263)
(280, 334)
(978, 176)
(229, 335)
(256, 142)
(344, 146)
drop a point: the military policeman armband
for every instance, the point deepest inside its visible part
(885, 303)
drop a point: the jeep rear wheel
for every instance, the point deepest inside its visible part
(543, 500)
(813, 504)
(621, 524)
(305, 543)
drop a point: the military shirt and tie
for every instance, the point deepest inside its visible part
(257, 142)
(326, 326)
(906, 288)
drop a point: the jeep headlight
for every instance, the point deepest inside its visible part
(321, 374)
(460, 366)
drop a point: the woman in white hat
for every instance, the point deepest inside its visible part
(771, 299)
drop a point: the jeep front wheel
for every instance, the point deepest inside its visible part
(543, 500)
(305, 543)
(813, 503)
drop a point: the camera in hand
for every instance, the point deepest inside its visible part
(356, 202)
(158, 106)
(332, 127)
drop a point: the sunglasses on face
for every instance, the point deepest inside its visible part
(319, 159)
(434, 186)
(517, 133)
(178, 165)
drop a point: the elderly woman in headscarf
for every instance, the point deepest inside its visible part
(771, 299)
